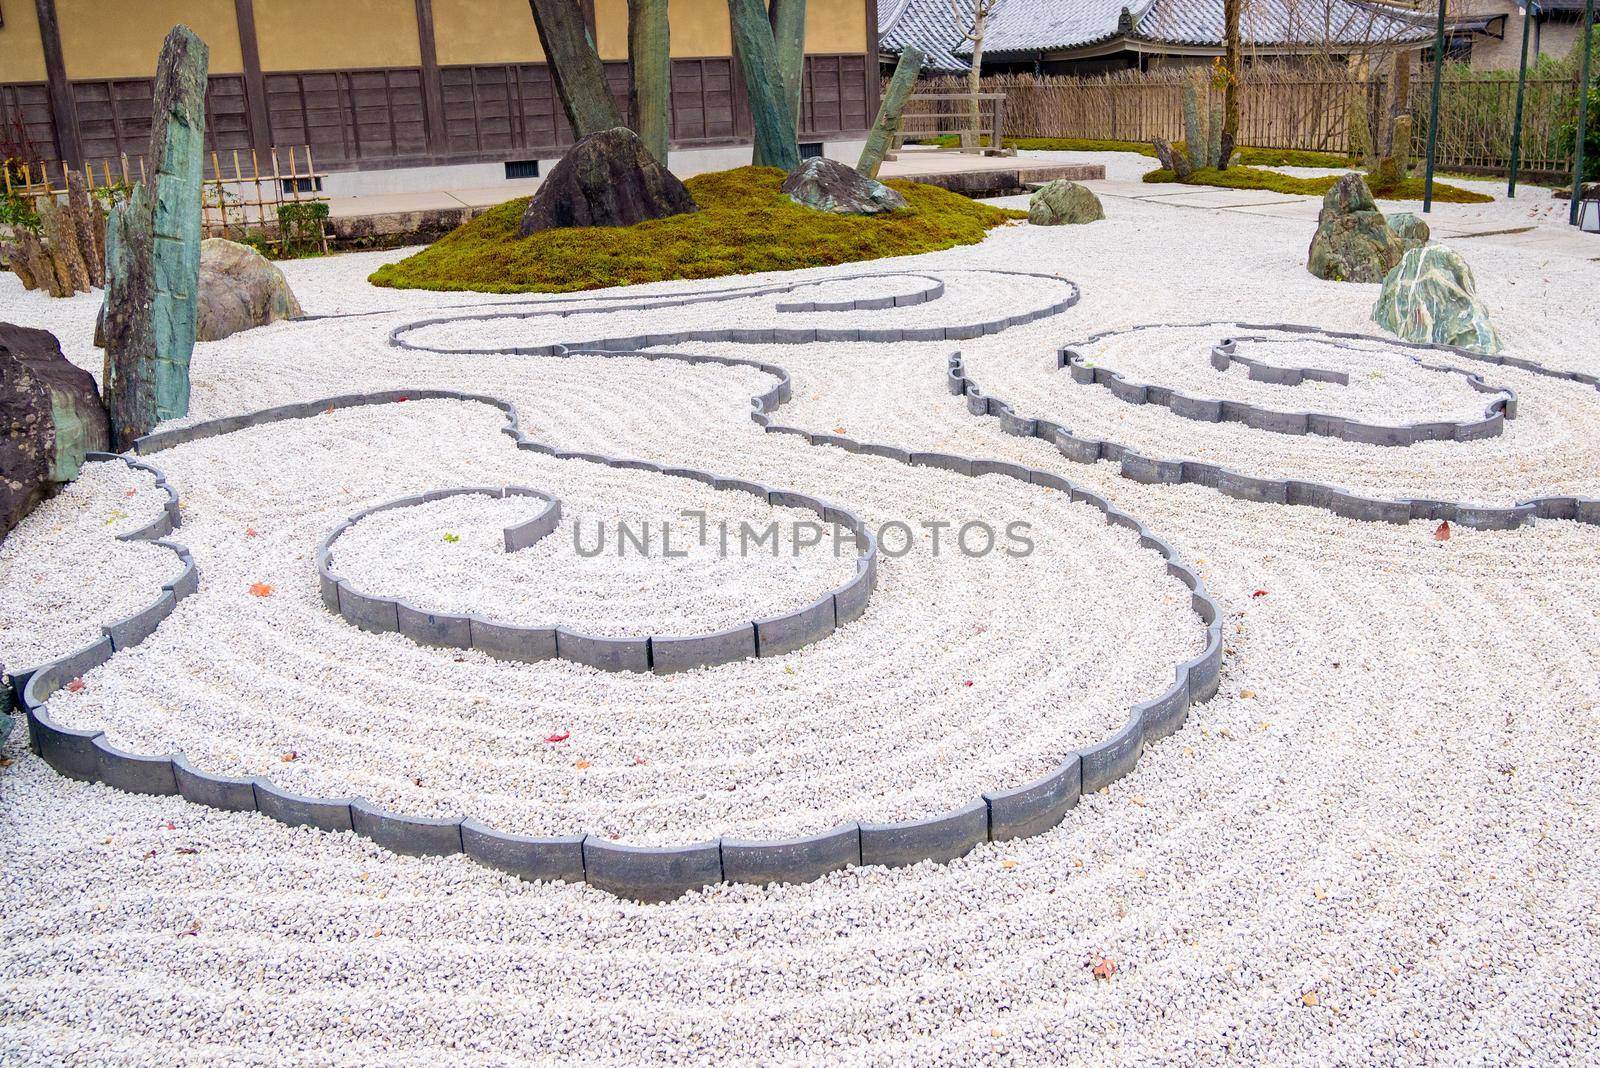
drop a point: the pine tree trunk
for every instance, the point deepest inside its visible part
(650, 75)
(575, 67)
(888, 122)
(776, 144)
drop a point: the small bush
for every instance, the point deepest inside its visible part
(300, 228)
(745, 224)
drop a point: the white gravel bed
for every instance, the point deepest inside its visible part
(63, 573)
(1378, 843)
(649, 563)
(1386, 384)
(964, 675)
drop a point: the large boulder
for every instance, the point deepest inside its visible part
(1060, 202)
(1412, 231)
(831, 186)
(239, 289)
(607, 179)
(50, 415)
(1353, 242)
(1431, 297)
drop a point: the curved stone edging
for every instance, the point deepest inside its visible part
(663, 873)
(1214, 410)
(934, 290)
(661, 653)
(1341, 502)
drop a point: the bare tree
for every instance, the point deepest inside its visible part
(982, 12)
(1231, 61)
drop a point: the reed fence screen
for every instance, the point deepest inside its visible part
(1293, 108)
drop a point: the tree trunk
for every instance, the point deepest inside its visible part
(650, 75)
(575, 67)
(776, 144)
(1230, 97)
(789, 35)
(888, 121)
(980, 26)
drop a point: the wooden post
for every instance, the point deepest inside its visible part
(432, 88)
(575, 67)
(894, 102)
(650, 75)
(255, 85)
(776, 145)
(63, 113)
(789, 35)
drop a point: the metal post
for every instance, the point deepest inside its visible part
(1522, 85)
(1433, 108)
(1583, 114)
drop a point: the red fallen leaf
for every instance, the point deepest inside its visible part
(640, 760)
(401, 400)
(150, 854)
(1104, 968)
(131, 493)
(559, 737)
(260, 589)
(75, 686)
(967, 682)
(1442, 531)
(187, 851)
(249, 532)
(1259, 593)
(289, 756)
(171, 826)
(838, 430)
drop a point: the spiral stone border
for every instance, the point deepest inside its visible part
(662, 873)
(1341, 502)
(1212, 410)
(663, 654)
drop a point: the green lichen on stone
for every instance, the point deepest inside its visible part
(1431, 297)
(1063, 202)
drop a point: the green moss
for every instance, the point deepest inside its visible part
(1254, 178)
(745, 224)
(1258, 157)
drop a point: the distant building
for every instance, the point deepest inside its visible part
(1079, 37)
(1489, 35)
(388, 87)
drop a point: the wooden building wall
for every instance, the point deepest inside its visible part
(388, 82)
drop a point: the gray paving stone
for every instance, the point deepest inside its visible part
(413, 836)
(1038, 806)
(533, 859)
(940, 838)
(794, 860)
(651, 874)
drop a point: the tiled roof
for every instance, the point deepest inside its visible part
(928, 24)
(1034, 25)
(1275, 22)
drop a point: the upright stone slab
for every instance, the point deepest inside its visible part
(153, 254)
(177, 149)
(887, 123)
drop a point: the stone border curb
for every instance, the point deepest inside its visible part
(664, 873)
(1341, 502)
(662, 654)
(934, 290)
(1213, 410)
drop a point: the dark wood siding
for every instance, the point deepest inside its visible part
(26, 127)
(377, 116)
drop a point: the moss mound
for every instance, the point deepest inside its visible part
(1254, 178)
(1259, 157)
(744, 225)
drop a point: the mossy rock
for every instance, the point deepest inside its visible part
(1353, 242)
(1412, 231)
(1062, 202)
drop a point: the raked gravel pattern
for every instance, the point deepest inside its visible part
(64, 573)
(1381, 841)
(1387, 385)
(646, 561)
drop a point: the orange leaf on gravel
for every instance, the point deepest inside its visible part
(1442, 531)
(291, 755)
(260, 589)
(75, 686)
(1104, 968)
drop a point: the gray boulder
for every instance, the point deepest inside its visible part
(1061, 202)
(1412, 231)
(607, 179)
(50, 415)
(828, 185)
(1353, 242)
(1431, 297)
(239, 289)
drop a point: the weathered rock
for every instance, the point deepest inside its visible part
(1353, 242)
(828, 185)
(50, 415)
(607, 179)
(1173, 159)
(1060, 202)
(1431, 297)
(1412, 231)
(239, 289)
